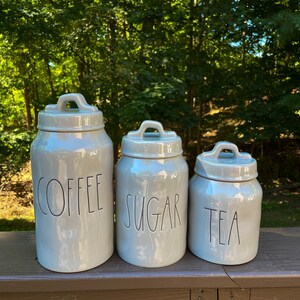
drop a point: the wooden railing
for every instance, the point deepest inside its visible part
(273, 274)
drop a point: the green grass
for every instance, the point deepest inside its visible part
(17, 224)
(281, 210)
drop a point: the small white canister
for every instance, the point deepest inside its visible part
(151, 200)
(72, 171)
(225, 206)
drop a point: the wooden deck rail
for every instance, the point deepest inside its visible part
(273, 274)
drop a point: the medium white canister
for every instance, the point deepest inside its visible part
(151, 197)
(225, 206)
(72, 170)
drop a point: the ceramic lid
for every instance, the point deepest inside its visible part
(57, 117)
(226, 166)
(160, 144)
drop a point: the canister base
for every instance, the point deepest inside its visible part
(226, 263)
(73, 270)
(151, 265)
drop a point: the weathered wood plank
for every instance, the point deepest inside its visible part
(148, 294)
(277, 263)
(20, 271)
(204, 294)
(234, 294)
(275, 294)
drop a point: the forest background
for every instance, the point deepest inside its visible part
(210, 70)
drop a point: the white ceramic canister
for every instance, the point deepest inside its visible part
(72, 171)
(151, 197)
(225, 206)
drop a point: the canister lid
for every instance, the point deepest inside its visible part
(160, 144)
(57, 117)
(226, 166)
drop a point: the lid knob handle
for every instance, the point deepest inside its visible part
(151, 124)
(71, 97)
(220, 146)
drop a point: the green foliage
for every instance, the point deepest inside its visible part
(287, 24)
(14, 153)
(210, 70)
(17, 224)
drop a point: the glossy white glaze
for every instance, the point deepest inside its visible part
(224, 219)
(151, 203)
(73, 201)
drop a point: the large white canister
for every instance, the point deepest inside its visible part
(225, 206)
(72, 171)
(151, 197)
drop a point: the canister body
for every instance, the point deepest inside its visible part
(151, 203)
(224, 220)
(73, 200)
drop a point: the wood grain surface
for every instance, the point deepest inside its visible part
(147, 294)
(19, 269)
(277, 263)
(273, 274)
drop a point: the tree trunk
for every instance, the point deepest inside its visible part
(114, 94)
(36, 100)
(27, 105)
(49, 73)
